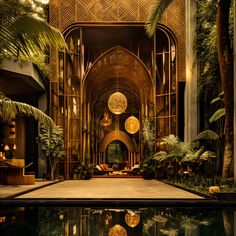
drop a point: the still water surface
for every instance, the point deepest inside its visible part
(77, 221)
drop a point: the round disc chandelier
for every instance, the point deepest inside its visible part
(117, 103)
(132, 125)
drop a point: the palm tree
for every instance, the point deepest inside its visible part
(10, 109)
(24, 34)
(225, 58)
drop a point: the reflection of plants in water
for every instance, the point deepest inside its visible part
(51, 220)
(174, 221)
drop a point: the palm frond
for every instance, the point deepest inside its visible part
(160, 156)
(10, 109)
(23, 32)
(220, 98)
(207, 135)
(217, 115)
(155, 14)
(208, 155)
(170, 140)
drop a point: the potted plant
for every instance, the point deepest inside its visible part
(52, 144)
(148, 168)
(85, 169)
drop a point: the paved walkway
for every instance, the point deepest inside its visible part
(7, 191)
(101, 188)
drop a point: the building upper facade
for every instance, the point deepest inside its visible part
(66, 14)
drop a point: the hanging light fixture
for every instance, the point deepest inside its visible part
(117, 103)
(117, 230)
(132, 125)
(106, 120)
(132, 219)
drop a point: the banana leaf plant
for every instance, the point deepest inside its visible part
(52, 144)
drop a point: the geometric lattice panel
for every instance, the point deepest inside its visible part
(65, 13)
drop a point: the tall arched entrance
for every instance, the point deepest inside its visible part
(104, 60)
(117, 70)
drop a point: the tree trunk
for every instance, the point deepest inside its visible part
(225, 57)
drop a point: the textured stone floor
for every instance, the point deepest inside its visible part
(102, 188)
(10, 190)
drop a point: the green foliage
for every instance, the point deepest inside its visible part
(207, 135)
(52, 144)
(24, 34)
(205, 45)
(148, 134)
(10, 109)
(148, 168)
(175, 149)
(154, 16)
(85, 169)
(217, 115)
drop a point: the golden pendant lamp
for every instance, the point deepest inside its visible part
(117, 103)
(132, 125)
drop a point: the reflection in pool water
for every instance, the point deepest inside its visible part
(74, 221)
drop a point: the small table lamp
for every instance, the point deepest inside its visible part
(6, 149)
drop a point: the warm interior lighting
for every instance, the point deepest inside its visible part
(132, 125)
(106, 120)
(6, 148)
(14, 147)
(132, 219)
(117, 103)
(117, 230)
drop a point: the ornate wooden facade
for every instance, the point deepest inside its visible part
(109, 51)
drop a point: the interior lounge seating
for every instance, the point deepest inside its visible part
(102, 169)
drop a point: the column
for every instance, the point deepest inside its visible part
(191, 106)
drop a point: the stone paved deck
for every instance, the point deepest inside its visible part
(100, 188)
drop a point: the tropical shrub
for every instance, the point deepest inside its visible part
(52, 144)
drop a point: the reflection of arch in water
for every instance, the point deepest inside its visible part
(116, 152)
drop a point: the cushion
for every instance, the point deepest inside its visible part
(106, 166)
(102, 166)
(97, 167)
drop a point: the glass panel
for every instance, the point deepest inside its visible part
(162, 106)
(173, 125)
(165, 84)
(61, 72)
(173, 104)
(173, 71)
(74, 128)
(162, 127)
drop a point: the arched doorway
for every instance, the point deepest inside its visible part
(116, 153)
